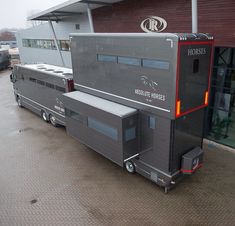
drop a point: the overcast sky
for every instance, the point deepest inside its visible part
(13, 13)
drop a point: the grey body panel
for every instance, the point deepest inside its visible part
(112, 147)
(40, 89)
(165, 77)
(149, 83)
(122, 80)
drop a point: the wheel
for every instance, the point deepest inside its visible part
(44, 116)
(19, 102)
(130, 167)
(52, 120)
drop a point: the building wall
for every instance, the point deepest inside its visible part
(215, 17)
(43, 31)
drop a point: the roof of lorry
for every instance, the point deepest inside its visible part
(102, 104)
(51, 69)
(173, 36)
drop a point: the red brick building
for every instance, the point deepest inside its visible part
(215, 17)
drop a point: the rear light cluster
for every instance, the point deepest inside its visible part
(70, 85)
(206, 98)
(178, 104)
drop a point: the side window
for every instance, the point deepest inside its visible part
(61, 89)
(40, 82)
(129, 61)
(157, 64)
(151, 122)
(195, 66)
(130, 133)
(74, 115)
(32, 79)
(49, 85)
(103, 128)
(106, 58)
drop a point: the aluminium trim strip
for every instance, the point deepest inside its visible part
(124, 98)
(40, 105)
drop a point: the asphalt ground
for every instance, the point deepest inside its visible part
(48, 178)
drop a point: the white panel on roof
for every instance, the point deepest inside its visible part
(102, 104)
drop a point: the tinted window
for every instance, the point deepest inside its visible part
(152, 122)
(157, 64)
(103, 128)
(107, 58)
(61, 89)
(74, 115)
(196, 66)
(41, 82)
(130, 133)
(32, 79)
(129, 60)
(50, 85)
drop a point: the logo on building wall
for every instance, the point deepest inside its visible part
(153, 24)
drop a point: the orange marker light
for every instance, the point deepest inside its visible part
(206, 98)
(178, 108)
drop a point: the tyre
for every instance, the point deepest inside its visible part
(19, 101)
(52, 120)
(130, 167)
(44, 116)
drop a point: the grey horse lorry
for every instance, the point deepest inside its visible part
(146, 97)
(140, 100)
(39, 87)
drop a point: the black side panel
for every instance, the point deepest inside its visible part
(188, 132)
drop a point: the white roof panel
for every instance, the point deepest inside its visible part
(70, 8)
(102, 104)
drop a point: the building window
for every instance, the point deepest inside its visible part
(77, 26)
(103, 128)
(64, 45)
(221, 111)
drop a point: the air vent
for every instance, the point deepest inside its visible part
(58, 71)
(67, 73)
